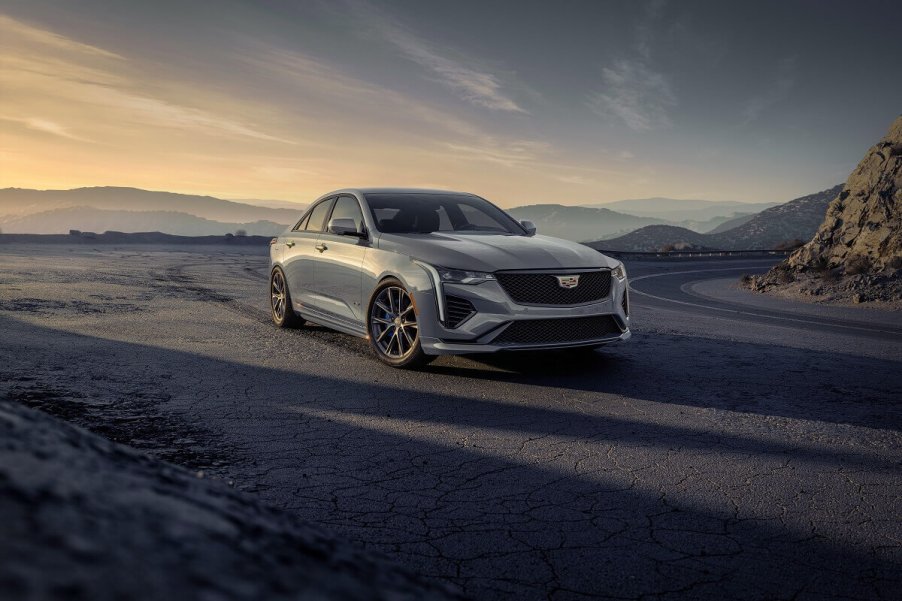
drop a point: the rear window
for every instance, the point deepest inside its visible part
(426, 213)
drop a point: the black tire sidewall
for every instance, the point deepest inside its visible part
(290, 319)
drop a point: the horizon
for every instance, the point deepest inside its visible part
(303, 203)
(283, 103)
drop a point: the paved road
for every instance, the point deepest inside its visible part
(716, 455)
(668, 285)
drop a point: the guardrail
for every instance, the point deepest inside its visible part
(679, 254)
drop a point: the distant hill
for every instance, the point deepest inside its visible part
(272, 204)
(731, 223)
(92, 238)
(18, 201)
(135, 210)
(60, 221)
(654, 238)
(680, 209)
(579, 223)
(797, 219)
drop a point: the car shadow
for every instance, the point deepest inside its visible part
(704, 372)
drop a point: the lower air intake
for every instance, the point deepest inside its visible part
(558, 331)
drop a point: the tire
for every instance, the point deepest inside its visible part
(280, 301)
(392, 317)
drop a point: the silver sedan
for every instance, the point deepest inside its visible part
(421, 273)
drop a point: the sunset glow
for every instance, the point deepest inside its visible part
(241, 101)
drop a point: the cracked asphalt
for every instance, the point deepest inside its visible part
(737, 447)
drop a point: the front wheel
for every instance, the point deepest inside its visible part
(393, 328)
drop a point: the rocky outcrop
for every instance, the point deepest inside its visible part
(857, 251)
(85, 518)
(864, 223)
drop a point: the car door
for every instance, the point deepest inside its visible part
(300, 252)
(337, 267)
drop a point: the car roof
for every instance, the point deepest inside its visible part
(365, 191)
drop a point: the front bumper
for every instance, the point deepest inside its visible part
(482, 331)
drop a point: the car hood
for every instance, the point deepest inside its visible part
(482, 252)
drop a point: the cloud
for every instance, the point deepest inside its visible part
(635, 95)
(168, 114)
(509, 154)
(783, 83)
(34, 35)
(46, 126)
(97, 89)
(645, 30)
(473, 85)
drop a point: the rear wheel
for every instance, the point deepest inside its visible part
(280, 301)
(393, 327)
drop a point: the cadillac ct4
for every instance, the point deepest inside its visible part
(421, 273)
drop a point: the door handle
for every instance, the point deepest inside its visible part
(321, 247)
(289, 244)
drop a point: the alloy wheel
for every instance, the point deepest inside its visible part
(393, 322)
(277, 289)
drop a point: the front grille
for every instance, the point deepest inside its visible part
(545, 289)
(458, 310)
(558, 331)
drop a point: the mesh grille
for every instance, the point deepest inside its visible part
(545, 289)
(458, 310)
(553, 331)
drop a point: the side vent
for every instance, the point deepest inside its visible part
(459, 310)
(625, 303)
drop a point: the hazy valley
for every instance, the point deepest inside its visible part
(100, 209)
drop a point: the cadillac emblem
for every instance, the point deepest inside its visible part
(567, 281)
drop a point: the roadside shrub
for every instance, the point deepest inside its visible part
(857, 264)
(820, 265)
(746, 280)
(241, 232)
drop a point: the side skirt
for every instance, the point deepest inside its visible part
(335, 322)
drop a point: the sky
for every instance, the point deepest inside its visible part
(521, 102)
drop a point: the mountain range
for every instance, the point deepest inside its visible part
(601, 221)
(679, 210)
(785, 224)
(692, 223)
(135, 210)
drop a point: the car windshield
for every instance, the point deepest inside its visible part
(412, 213)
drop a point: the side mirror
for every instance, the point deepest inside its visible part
(529, 226)
(344, 227)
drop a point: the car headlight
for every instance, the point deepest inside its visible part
(619, 272)
(461, 276)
